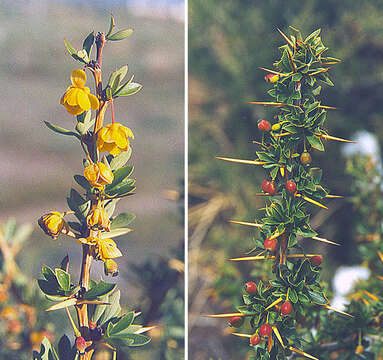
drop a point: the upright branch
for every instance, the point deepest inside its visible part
(291, 187)
(103, 183)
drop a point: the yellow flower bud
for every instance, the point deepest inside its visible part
(77, 97)
(110, 267)
(114, 138)
(359, 349)
(272, 78)
(98, 175)
(98, 218)
(53, 224)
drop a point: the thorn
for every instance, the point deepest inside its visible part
(311, 201)
(336, 310)
(245, 223)
(325, 240)
(241, 335)
(334, 196)
(319, 71)
(241, 161)
(300, 352)
(224, 315)
(286, 38)
(380, 255)
(278, 335)
(274, 303)
(273, 72)
(372, 296)
(329, 137)
(327, 107)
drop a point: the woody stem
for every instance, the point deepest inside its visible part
(82, 310)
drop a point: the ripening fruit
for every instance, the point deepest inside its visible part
(265, 330)
(236, 321)
(316, 260)
(264, 125)
(286, 308)
(255, 339)
(272, 189)
(270, 244)
(305, 158)
(272, 78)
(291, 187)
(251, 287)
(80, 344)
(265, 185)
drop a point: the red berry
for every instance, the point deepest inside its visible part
(265, 185)
(265, 330)
(272, 188)
(286, 308)
(291, 187)
(236, 321)
(251, 287)
(270, 244)
(255, 339)
(80, 344)
(305, 158)
(264, 125)
(316, 260)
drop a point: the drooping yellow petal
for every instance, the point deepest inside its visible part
(83, 100)
(78, 77)
(94, 103)
(71, 97)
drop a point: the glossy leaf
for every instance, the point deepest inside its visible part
(122, 220)
(120, 35)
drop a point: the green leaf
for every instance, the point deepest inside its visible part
(78, 204)
(73, 52)
(111, 25)
(315, 142)
(121, 159)
(63, 279)
(123, 323)
(123, 189)
(317, 297)
(115, 233)
(313, 35)
(88, 43)
(82, 181)
(116, 77)
(48, 273)
(113, 309)
(110, 206)
(120, 35)
(121, 174)
(65, 350)
(129, 88)
(101, 289)
(122, 220)
(60, 130)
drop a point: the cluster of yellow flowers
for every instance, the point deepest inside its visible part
(112, 138)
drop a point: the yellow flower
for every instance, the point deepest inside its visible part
(98, 175)
(98, 217)
(77, 97)
(107, 249)
(110, 267)
(53, 223)
(114, 138)
(104, 249)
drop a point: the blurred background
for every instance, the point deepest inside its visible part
(228, 42)
(37, 165)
